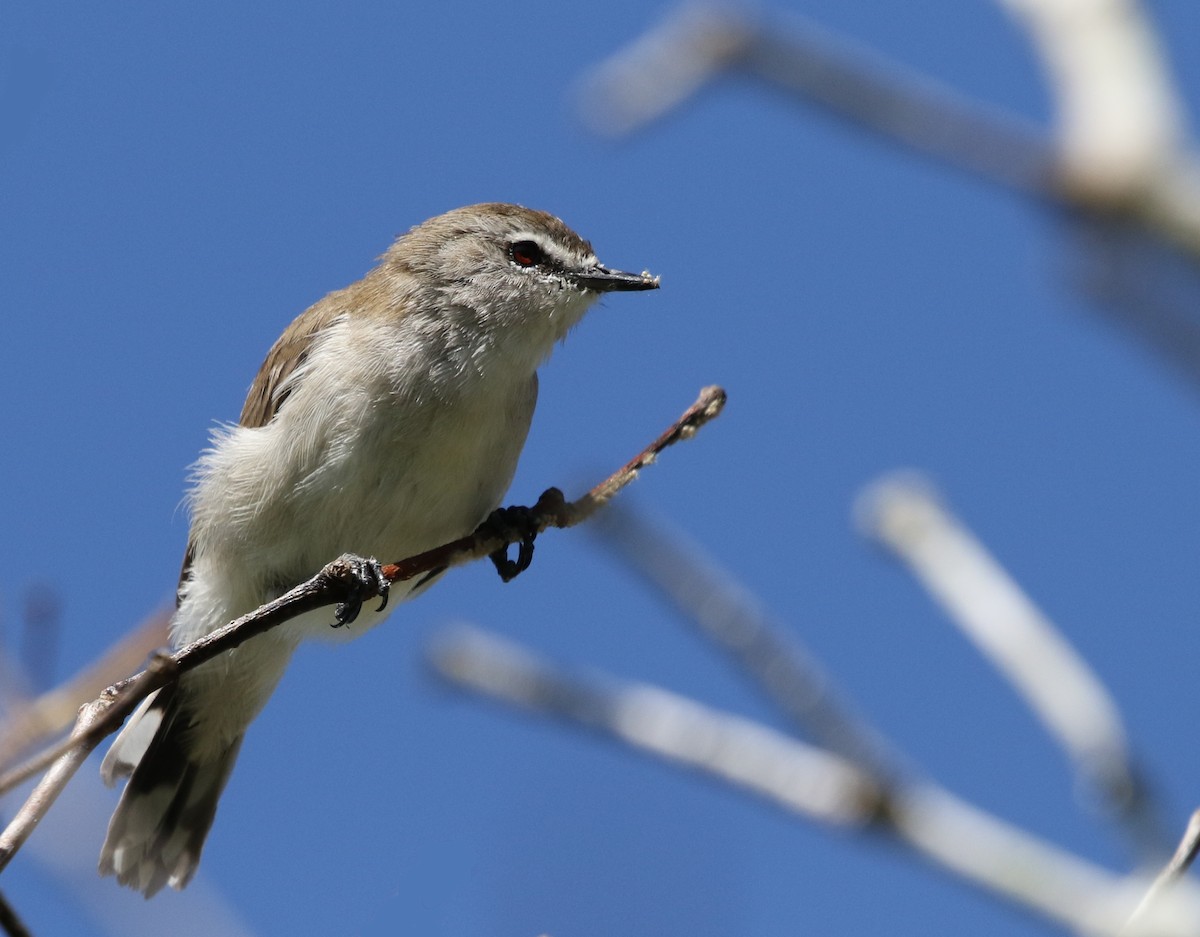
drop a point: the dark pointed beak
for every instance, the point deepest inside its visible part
(603, 280)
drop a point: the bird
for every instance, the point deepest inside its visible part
(387, 419)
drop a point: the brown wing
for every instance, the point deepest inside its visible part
(267, 394)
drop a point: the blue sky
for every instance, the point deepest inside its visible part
(180, 181)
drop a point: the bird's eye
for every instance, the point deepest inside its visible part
(526, 254)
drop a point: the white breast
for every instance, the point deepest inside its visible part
(363, 457)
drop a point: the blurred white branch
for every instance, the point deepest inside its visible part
(879, 792)
(1121, 150)
(1119, 123)
(817, 785)
(802, 778)
(903, 513)
(1121, 135)
(698, 44)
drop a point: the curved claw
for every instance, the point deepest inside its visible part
(362, 578)
(505, 522)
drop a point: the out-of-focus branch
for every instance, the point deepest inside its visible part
(953, 835)
(1119, 123)
(807, 780)
(1120, 152)
(727, 614)
(699, 43)
(35, 720)
(1120, 130)
(1144, 284)
(904, 514)
(1125, 155)
(336, 583)
(10, 922)
(1173, 871)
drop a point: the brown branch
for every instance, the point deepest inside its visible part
(332, 585)
(552, 510)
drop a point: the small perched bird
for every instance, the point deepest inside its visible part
(385, 421)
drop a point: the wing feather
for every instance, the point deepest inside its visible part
(272, 384)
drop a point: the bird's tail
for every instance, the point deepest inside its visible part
(159, 827)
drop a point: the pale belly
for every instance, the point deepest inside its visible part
(401, 481)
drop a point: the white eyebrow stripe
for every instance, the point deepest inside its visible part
(519, 236)
(548, 246)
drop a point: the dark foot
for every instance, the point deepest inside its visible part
(518, 524)
(362, 578)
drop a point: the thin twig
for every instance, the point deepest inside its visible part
(1173, 871)
(817, 785)
(552, 511)
(904, 513)
(10, 922)
(329, 587)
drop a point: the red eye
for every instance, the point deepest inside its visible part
(526, 254)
